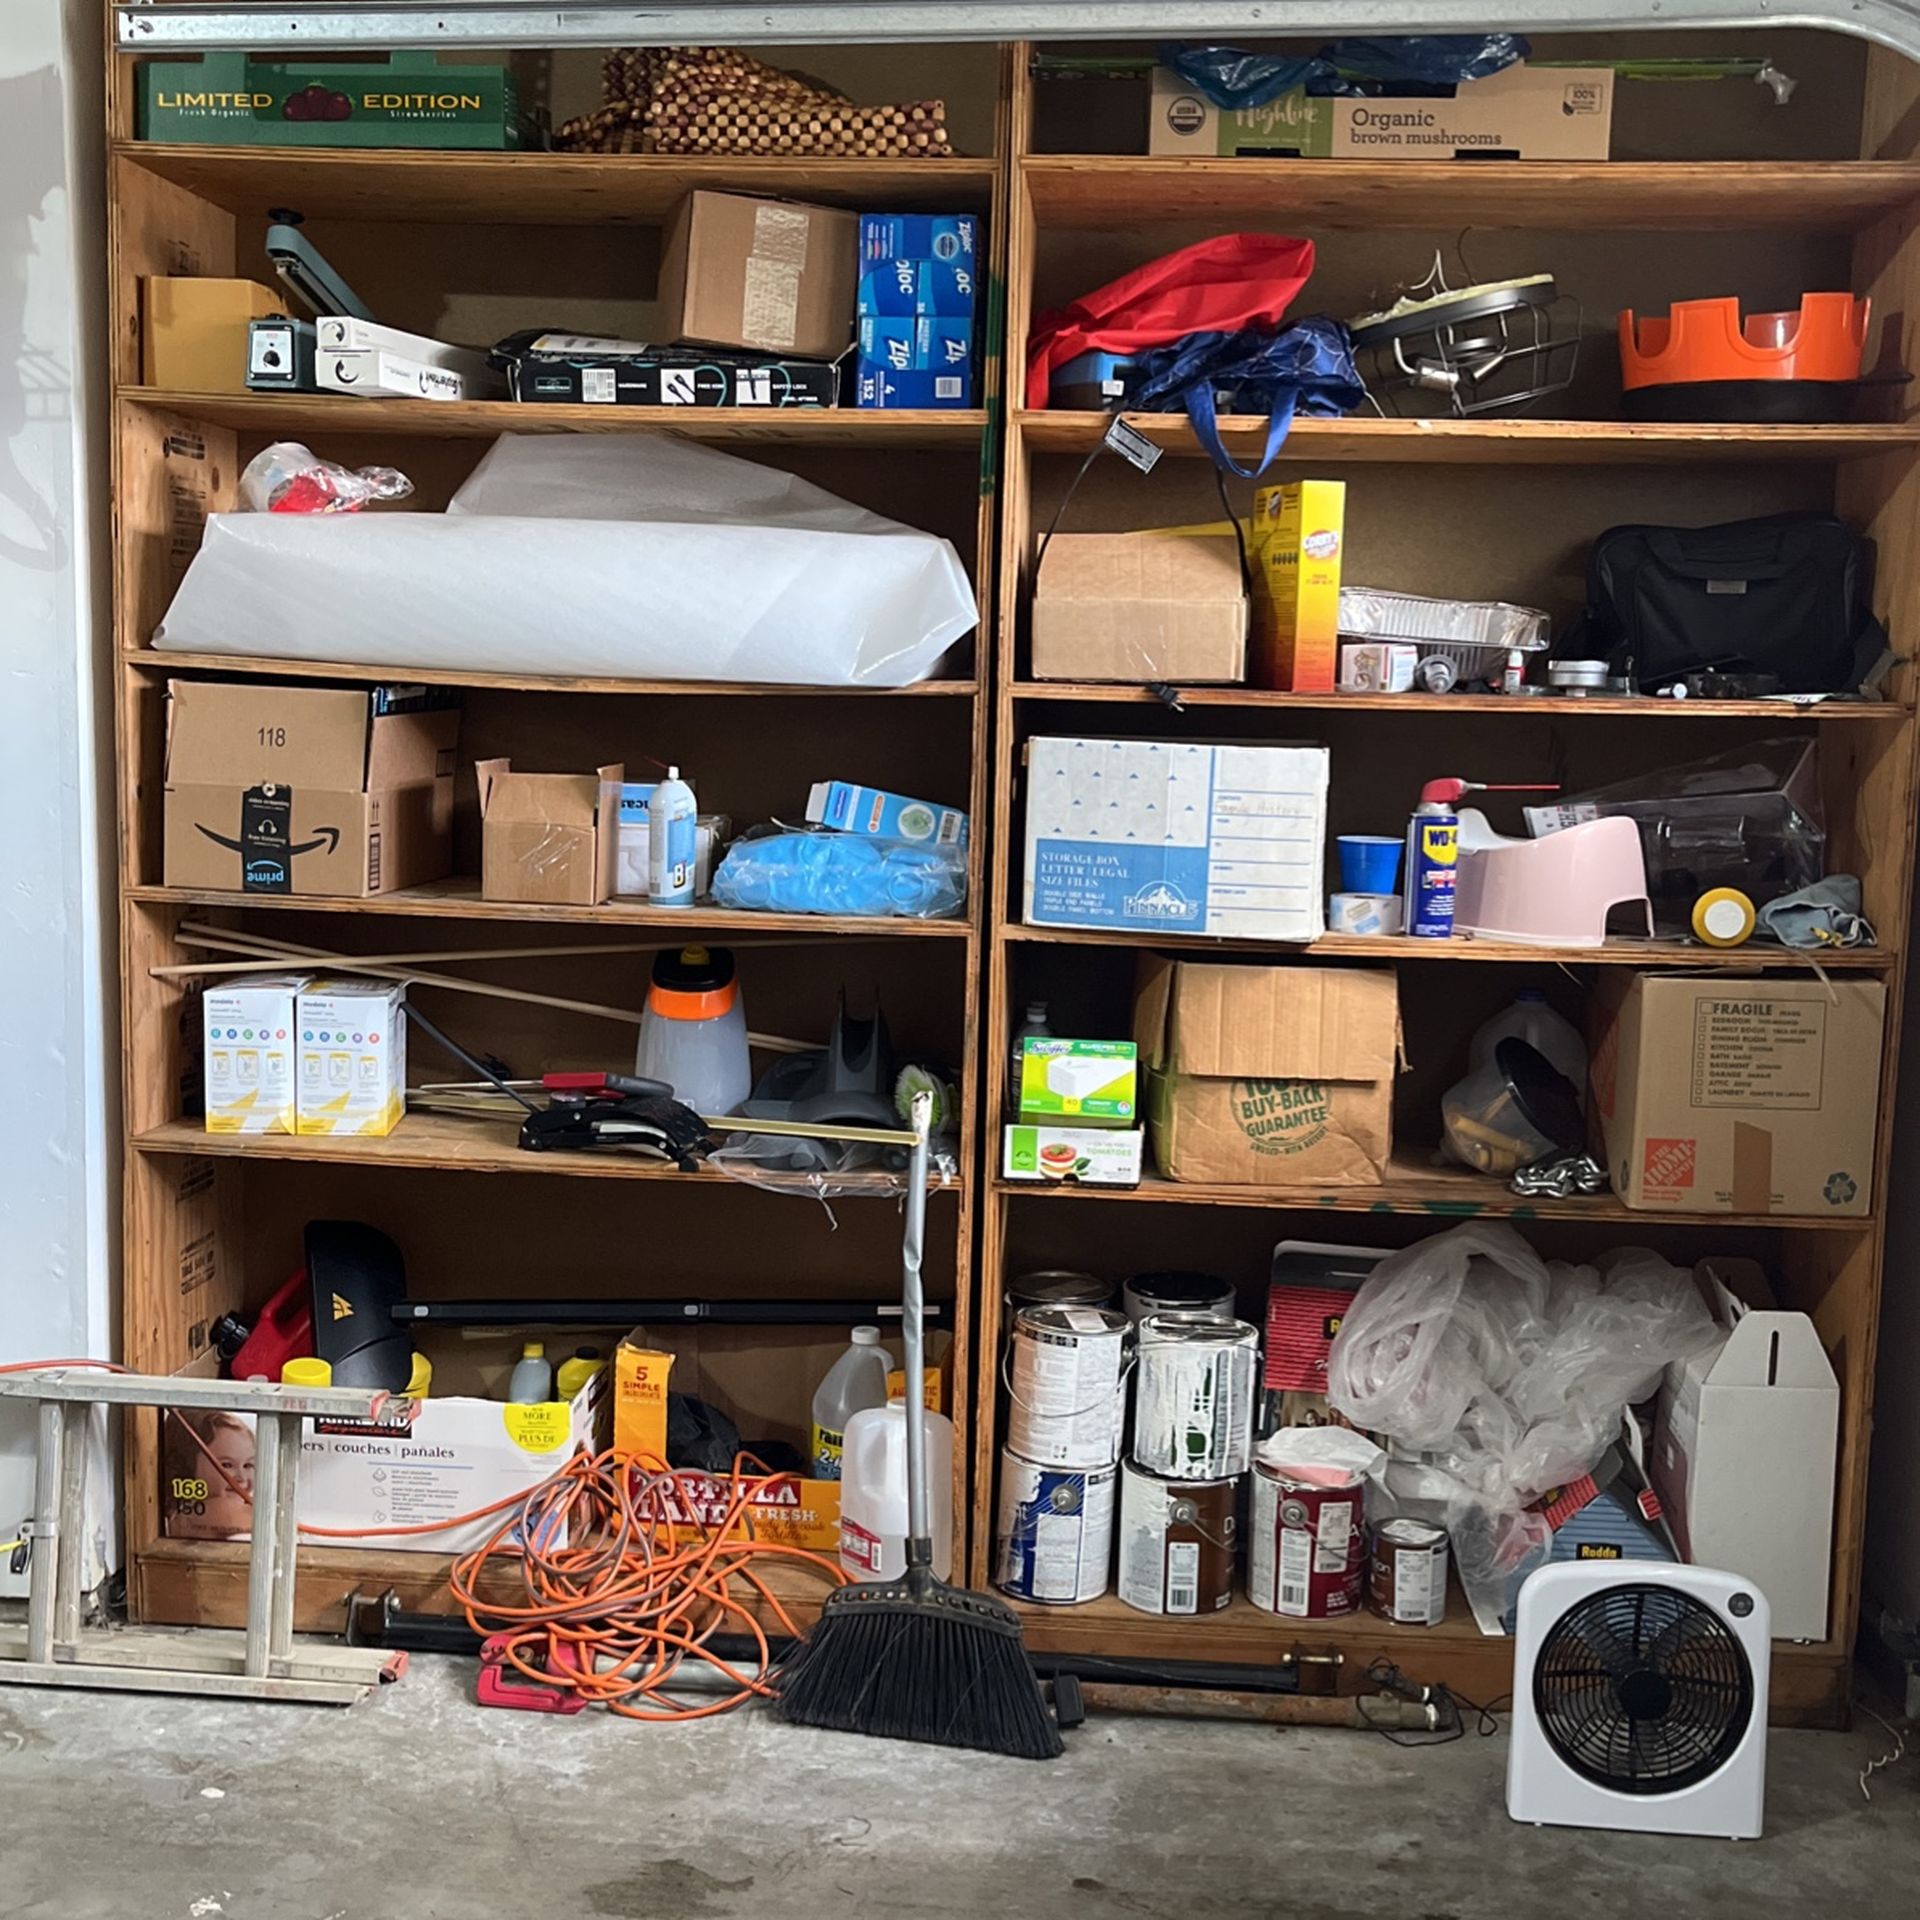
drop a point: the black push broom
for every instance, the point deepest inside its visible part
(914, 1658)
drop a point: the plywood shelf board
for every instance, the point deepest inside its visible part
(1815, 196)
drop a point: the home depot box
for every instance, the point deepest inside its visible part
(552, 838)
(1523, 113)
(322, 790)
(193, 333)
(1731, 1095)
(1140, 606)
(772, 276)
(1297, 533)
(424, 1462)
(1268, 1076)
(1170, 837)
(1744, 1445)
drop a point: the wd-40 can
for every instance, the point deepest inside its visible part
(1433, 856)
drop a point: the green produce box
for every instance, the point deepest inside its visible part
(407, 100)
(1086, 1083)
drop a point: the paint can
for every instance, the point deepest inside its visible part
(1408, 1584)
(1053, 1287)
(1194, 1388)
(1149, 1293)
(1054, 1539)
(1067, 1385)
(1179, 1542)
(1306, 1546)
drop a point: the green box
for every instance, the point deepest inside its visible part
(1084, 1083)
(406, 100)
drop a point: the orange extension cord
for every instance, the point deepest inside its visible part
(615, 1613)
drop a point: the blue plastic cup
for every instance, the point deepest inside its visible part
(1369, 863)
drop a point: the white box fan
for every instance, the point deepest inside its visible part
(1640, 1700)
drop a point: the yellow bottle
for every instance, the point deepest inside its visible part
(309, 1372)
(576, 1372)
(420, 1380)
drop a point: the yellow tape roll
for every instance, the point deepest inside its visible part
(1723, 917)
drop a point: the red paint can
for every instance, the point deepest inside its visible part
(1306, 1548)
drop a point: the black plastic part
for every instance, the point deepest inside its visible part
(1069, 1705)
(694, 969)
(633, 1312)
(1548, 1099)
(1813, 403)
(358, 1278)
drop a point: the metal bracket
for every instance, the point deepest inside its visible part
(223, 25)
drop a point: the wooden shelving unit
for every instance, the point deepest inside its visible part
(213, 1222)
(1491, 507)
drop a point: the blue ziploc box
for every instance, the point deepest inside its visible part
(884, 816)
(918, 290)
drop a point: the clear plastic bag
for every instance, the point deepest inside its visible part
(789, 870)
(287, 478)
(1507, 1375)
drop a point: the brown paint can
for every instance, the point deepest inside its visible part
(1179, 1542)
(1408, 1583)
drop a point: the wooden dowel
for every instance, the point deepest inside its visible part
(470, 954)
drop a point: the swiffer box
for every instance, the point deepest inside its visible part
(320, 790)
(193, 333)
(1268, 1076)
(549, 838)
(769, 276)
(1522, 113)
(426, 1461)
(1078, 1083)
(1744, 1447)
(1740, 1095)
(1168, 838)
(1140, 606)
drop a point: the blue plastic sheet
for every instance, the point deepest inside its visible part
(792, 871)
(1235, 77)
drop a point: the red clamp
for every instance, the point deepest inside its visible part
(502, 1684)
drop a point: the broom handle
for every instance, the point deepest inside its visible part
(913, 1307)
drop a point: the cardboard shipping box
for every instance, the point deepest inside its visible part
(1523, 113)
(551, 838)
(274, 789)
(1141, 606)
(1745, 1442)
(1168, 838)
(1740, 1095)
(193, 333)
(1268, 1076)
(770, 276)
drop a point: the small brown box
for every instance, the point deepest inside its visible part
(549, 838)
(1141, 606)
(193, 336)
(773, 276)
(274, 789)
(1268, 1076)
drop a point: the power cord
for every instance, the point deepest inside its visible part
(1388, 1678)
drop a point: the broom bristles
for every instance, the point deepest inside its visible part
(914, 1659)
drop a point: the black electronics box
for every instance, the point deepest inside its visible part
(582, 370)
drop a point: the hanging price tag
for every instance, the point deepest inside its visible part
(1132, 445)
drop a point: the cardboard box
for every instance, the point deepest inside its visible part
(1298, 533)
(1526, 113)
(1141, 606)
(586, 370)
(1077, 1156)
(914, 310)
(248, 1027)
(425, 1461)
(882, 815)
(770, 276)
(1740, 1095)
(353, 1055)
(550, 838)
(1268, 1076)
(320, 790)
(193, 333)
(407, 100)
(1171, 838)
(631, 878)
(1744, 1447)
(1080, 1083)
(1377, 666)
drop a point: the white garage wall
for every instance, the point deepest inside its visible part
(58, 1091)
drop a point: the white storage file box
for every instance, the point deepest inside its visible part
(639, 557)
(1171, 838)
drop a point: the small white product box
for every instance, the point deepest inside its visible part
(353, 1055)
(1377, 666)
(248, 1027)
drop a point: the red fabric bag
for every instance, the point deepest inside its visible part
(1218, 286)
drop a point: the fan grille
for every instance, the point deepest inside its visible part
(1643, 1689)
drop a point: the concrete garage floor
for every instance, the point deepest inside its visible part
(417, 1806)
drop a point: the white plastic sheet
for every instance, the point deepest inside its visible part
(639, 557)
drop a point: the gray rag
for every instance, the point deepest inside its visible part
(1826, 914)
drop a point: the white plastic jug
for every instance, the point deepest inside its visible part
(873, 1493)
(857, 1380)
(693, 1030)
(1532, 1020)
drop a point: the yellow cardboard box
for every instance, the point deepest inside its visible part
(1298, 532)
